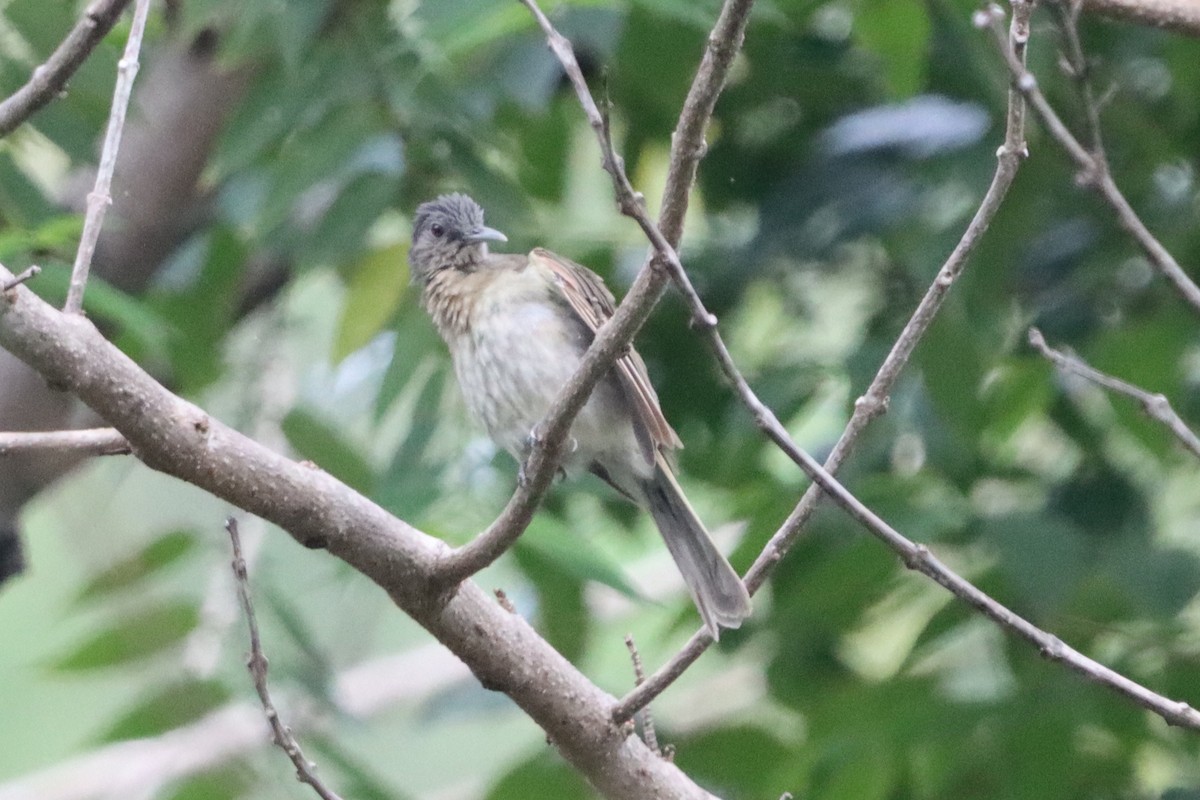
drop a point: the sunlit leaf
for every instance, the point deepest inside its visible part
(376, 285)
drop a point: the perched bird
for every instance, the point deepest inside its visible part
(517, 327)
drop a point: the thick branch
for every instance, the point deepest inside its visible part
(612, 339)
(50, 78)
(1156, 406)
(177, 438)
(1180, 16)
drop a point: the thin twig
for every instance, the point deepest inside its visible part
(26, 275)
(874, 400)
(50, 78)
(101, 195)
(90, 442)
(649, 735)
(1156, 406)
(257, 664)
(612, 338)
(687, 142)
(1080, 71)
(1093, 172)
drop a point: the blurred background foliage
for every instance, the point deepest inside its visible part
(847, 154)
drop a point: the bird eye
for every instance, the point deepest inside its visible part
(437, 230)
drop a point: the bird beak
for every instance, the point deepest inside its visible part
(482, 234)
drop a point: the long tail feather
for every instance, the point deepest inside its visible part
(718, 592)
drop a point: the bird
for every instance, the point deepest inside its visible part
(517, 327)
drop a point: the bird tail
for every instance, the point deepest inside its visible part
(718, 592)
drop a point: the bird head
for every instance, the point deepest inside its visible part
(448, 233)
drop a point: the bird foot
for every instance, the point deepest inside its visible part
(534, 438)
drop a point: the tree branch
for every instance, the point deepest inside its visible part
(100, 197)
(1156, 406)
(1093, 171)
(612, 339)
(174, 436)
(874, 400)
(89, 442)
(257, 664)
(1180, 16)
(24, 277)
(51, 77)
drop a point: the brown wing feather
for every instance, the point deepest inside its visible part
(587, 295)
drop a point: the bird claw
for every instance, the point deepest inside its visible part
(534, 438)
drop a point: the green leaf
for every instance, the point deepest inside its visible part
(361, 780)
(742, 757)
(867, 772)
(314, 672)
(574, 555)
(562, 612)
(320, 443)
(22, 203)
(410, 483)
(417, 342)
(200, 304)
(897, 34)
(377, 284)
(129, 572)
(232, 780)
(544, 775)
(342, 229)
(139, 329)
(136, 636)
(1043, 555)
(168, 708)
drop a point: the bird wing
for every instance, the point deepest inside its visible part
(591, 301)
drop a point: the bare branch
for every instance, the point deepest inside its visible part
(1093, 172)
(874, 400)
(90, 442)
(101, 195)
(687, 142)
(51, 77)
(1156, 406)
(612, 339)
(1080, 71)
(649, 735)
(257, 664)
(1180, 16)
(25, 276)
